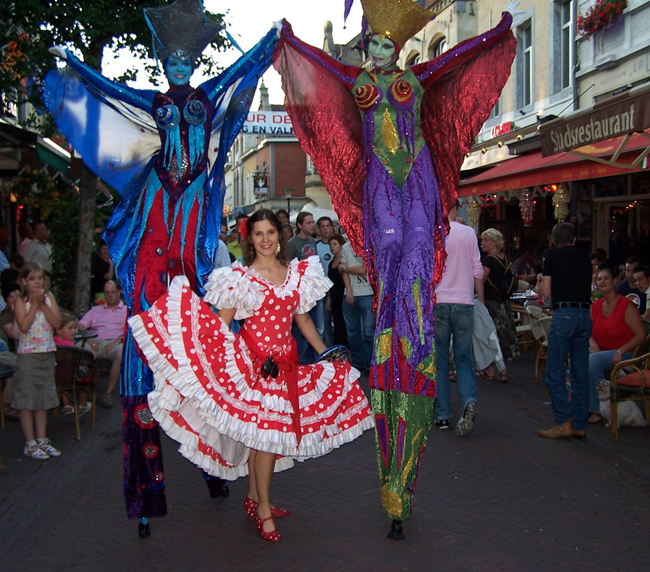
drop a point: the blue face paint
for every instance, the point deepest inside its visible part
(178, 71)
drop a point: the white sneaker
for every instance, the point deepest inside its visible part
(35, 452)
(46, 446)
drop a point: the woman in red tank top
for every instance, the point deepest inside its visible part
(616, 332)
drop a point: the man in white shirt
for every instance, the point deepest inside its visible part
(357, 308)
(38, 250)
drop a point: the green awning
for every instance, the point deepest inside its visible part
(52, 159)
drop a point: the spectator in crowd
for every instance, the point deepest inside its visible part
(628, 287)
(357, 308)
(495, 263)
(325, 230)
(594, 259)
(234, 246)
(303, 246)
(336, 293)
(37, 315)
(642, 278)
(287, 232)
(64, 336)
(25, 234)
(523, 267)
(566, 277)
(16, 261)
(109, 320)
(38, 249)
(283, 217)
(102, 271)
(8, 333)
(617, 330)
(454, 316)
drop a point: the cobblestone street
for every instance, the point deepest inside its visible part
(499, 499)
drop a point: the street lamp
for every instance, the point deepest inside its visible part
(287, 193)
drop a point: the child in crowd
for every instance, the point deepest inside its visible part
(64, 336)
(37, 315)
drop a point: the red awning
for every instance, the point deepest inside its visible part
(534, 170)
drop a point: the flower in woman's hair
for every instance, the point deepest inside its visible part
(243, 228)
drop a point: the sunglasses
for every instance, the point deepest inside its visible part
(269, 367)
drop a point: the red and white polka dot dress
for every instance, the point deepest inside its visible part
(210, 393)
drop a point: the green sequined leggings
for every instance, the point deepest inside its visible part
(402, 428)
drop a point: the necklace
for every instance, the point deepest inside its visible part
(609, 308)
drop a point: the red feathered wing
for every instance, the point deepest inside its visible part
(327, 123)
(462, 86)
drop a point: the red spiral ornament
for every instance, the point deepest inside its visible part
(402, 91)
(366, 96)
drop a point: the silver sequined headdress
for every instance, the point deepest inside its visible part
(182, 29)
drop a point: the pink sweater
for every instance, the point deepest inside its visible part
(462, 265)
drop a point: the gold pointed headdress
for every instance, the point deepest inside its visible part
(398, 20)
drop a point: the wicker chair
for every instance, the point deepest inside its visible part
(68, 361)
(630, 381)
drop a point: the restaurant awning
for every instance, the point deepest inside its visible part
(13, 137)
(535, 170)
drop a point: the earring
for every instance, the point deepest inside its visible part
(278, 249)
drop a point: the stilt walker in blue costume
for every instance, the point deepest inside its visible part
(165, 154)
(388, 144)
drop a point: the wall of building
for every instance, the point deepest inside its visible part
(617, 58)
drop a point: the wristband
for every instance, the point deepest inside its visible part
(619, 352)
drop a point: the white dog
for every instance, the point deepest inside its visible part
(628, 412)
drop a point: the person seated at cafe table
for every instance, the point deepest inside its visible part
(108, 319)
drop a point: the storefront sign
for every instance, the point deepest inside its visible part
(502, 129)
(625, 115)
(268, 123)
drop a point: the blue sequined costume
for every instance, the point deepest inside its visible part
(165, 155)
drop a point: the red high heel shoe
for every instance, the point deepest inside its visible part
(250, 506)
(273, 536)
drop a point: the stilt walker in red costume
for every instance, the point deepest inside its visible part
(388, 144)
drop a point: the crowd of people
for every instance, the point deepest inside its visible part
(233, 338)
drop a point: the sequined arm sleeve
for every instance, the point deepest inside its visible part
(327, 123)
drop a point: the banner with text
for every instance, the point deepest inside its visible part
(268, 123)
(629, 115)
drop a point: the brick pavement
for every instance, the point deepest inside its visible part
(499, 499)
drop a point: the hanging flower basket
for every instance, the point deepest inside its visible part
(601, 16)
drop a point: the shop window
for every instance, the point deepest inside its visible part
(525, 85)
(562, 48)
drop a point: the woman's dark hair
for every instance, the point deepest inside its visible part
(610, 266)
(338, 237)
(257, 216)
(7, 289)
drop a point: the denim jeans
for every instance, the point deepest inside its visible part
(599, 363)
(328, 331)
(306, 353)
(456, 320)
(569, 336)
(360, 325)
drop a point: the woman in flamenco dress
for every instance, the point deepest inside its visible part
(388, 145)
(241, 403)
(165, 154)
